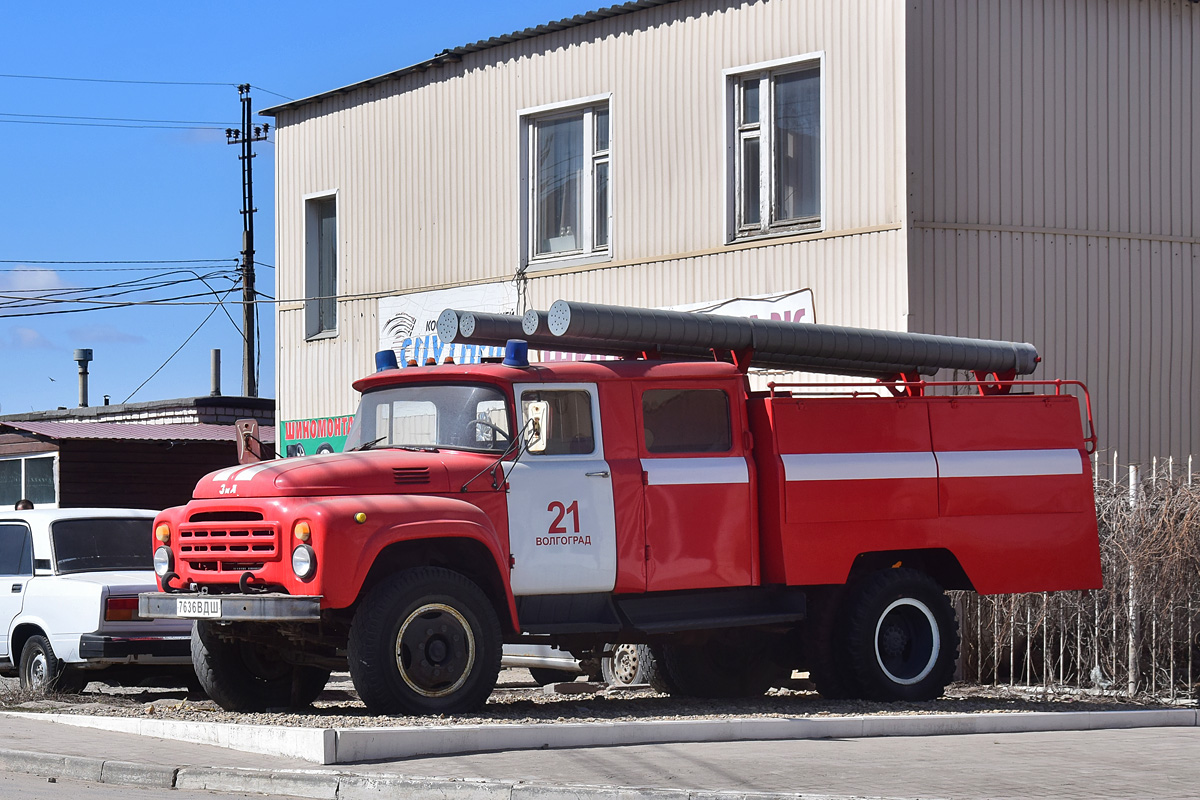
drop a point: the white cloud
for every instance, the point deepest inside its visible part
(26, 339)
(30, 279)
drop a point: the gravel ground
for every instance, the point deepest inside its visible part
(518, 700)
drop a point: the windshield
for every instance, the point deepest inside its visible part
(455, 416)
(94, 545)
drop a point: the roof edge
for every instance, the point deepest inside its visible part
(454, 55)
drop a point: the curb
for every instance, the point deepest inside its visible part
(321, 784)
(330, 746)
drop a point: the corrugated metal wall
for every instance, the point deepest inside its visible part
(428, 181)
(1054, 183)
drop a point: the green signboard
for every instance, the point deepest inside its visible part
(306, 437)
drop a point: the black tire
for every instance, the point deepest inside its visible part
(245, 676)
(626, 664)
(733, 664)
(544, 676)
(426, 641)
(825, 647)
(42, 671)
(901, 636)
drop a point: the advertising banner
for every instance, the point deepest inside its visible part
(408, 323)
(307, 437)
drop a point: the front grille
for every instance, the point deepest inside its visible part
(227, 543)
(226, 516)
(410, 475)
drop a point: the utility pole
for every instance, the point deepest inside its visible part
(246, 138)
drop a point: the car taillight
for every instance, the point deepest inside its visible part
(118, 609)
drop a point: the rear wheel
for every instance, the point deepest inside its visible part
(248, 676)
(825, 647)
(732, 664)
(42, 671)
(427, 641)
(901, 636)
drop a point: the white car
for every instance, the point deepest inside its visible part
(69, 584)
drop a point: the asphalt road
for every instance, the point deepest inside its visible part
(1153, 762)
(23, 786)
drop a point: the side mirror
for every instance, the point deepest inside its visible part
(538, 414)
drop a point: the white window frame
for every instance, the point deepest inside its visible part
(57, 486)
(312, 257)
(527, 121)
(736, 134)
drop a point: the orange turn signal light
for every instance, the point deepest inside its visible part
(302, 531)
(162, 533)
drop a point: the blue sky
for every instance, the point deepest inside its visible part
(96, 192)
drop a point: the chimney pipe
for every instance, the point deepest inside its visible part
(82, 357)
(216, 373)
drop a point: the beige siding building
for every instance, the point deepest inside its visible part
(991, 168)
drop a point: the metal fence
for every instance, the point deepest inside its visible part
(1137, 635)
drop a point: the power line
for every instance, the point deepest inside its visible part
(121, 119)
(268, 91)
(142, 83)
(111, 80)
(185, 341)
(108, 125)
(131, 261)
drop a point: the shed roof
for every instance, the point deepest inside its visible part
(455, 54)
(132, 431)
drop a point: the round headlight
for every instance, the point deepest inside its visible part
(163, 561)
(304, 562)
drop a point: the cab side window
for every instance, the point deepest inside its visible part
(16, 549)
(686, 421)
(568, 429)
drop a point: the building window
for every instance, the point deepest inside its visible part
(776, 158)
(29, 479)
(320, 272)
(569, 201)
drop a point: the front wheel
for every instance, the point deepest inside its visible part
(247, 676)
(901, 636)
(426, 641)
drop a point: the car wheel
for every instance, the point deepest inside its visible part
(42, 671)
(901, 636)
(544, 676)
(626, 664)
(247, 676)
(427, 641)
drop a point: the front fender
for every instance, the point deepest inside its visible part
(349, 548)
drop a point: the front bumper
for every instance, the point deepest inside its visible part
(273, 607)
(93, 647)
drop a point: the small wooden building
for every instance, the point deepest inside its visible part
(140, 455)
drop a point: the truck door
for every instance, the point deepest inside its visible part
(700, 516)
(561, 525)
(16, 568)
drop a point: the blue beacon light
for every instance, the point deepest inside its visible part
(516, 353)
(385, 359)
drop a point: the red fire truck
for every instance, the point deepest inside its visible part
(654, 498)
